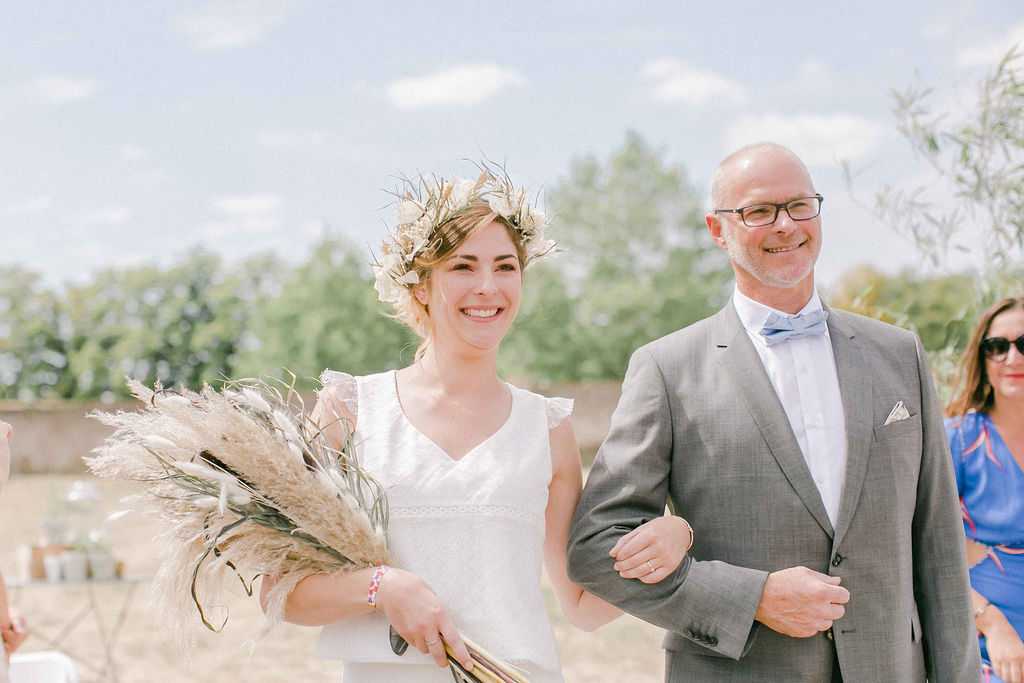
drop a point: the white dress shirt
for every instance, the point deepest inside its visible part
(803, 372)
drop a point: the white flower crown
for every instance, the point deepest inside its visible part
(428, 203)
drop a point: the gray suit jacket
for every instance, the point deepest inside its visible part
(699, 425)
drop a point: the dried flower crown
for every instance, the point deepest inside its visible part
(427, 203)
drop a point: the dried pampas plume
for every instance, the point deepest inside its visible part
(246, 485)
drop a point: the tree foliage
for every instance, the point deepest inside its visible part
(33, 358)
(977, 202)
(974, 203)
(324, 313)
(637, 264)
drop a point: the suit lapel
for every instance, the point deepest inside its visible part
(743, 366)
(855, 389)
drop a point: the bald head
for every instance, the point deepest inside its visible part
(744, 159)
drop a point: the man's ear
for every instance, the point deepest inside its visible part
(714, 223)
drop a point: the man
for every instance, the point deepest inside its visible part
(805, 446)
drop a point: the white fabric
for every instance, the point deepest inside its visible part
(803, 372)
(42, 667)
(473, 529)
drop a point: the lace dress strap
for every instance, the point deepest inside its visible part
(557, 410)
(340, 386)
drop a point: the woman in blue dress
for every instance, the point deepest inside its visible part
(985, 427)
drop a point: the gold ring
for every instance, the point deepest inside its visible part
(651, 566)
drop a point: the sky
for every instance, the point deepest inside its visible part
(134, 131)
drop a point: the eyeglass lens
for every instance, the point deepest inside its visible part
(996, 348)
(765, 214)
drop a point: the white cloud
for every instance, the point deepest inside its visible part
(812, 68)
(28, 206)
(112, 215)
(61, 89)
(313, 229)
(467, 84)
(248, 205)
(129, 153)
(232, 24)
(818, 140)
(292, 140)
(676, 81)
(991, 52)
(255, 214)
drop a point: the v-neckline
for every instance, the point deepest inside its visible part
(448, 456)
(994, 430)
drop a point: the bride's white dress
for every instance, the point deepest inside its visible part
(472, 528)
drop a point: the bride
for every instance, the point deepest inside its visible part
(482, 477)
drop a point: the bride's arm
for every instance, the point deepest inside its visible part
(324, 598)
(662, 541)
(581, 609)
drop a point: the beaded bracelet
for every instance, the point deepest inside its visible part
(371, 596)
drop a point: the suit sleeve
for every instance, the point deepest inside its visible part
(708, 602)
(941, 584)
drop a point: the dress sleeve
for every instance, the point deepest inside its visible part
(341, 387)
(558, 409)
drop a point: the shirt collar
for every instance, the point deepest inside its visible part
(754, 314)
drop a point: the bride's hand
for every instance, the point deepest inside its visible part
(653, 550)
(417, 614)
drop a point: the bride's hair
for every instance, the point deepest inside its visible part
(448, 237)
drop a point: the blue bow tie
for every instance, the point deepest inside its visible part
(779, 328)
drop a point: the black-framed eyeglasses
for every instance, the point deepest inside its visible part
(760, 215)
(996, 348)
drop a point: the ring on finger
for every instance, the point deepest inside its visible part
(432, 643)
(651, 566)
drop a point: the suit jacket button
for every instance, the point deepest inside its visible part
(837, 560)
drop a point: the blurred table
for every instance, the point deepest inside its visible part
(108, 632)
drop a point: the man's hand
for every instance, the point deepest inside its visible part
(800, 602)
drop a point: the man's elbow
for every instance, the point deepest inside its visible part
(576, 561)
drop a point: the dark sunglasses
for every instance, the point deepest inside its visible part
(996, 348)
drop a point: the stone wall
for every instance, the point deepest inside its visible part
(54, 437)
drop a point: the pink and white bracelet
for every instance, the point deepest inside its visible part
(371, 596)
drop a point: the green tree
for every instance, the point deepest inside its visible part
(974, 204)
(324, 313)
(638, 264)
(977, 202)
(934, 307)
(32, 349)
(183, 325)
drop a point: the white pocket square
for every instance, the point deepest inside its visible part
(898, 412)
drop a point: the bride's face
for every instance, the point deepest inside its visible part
(473, 295)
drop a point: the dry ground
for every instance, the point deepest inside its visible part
(625, 650)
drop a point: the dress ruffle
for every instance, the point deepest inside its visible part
(342, 387)
(558, 409)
